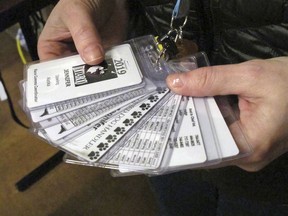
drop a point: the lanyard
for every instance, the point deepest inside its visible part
(181, 9)
(178, 20)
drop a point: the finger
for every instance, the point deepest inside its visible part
(215, 80)
(87, 40)
(55, 39)
(49, 49)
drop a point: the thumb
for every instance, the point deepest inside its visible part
(210, 81)
(85, 35)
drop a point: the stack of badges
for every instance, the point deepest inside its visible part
(120, 114)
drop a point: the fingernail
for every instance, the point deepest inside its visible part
(92, 54)
(175, 81)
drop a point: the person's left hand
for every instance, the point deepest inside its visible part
(261, 87)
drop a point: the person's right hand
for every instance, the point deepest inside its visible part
(261, 87)
(85, 26)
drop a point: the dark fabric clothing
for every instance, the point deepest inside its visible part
(225, 191)
(229, 31)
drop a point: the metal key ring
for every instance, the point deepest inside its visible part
(179, 27)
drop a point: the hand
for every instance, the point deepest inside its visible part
(84, 26)
(261, 87)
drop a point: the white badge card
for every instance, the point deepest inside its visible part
(188, 147)
(226, 141)
(67, 78)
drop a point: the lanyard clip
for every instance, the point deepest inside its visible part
(168, 43)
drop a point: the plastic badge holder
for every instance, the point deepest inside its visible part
(61, 143)
(213, 151)
(145, 51)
